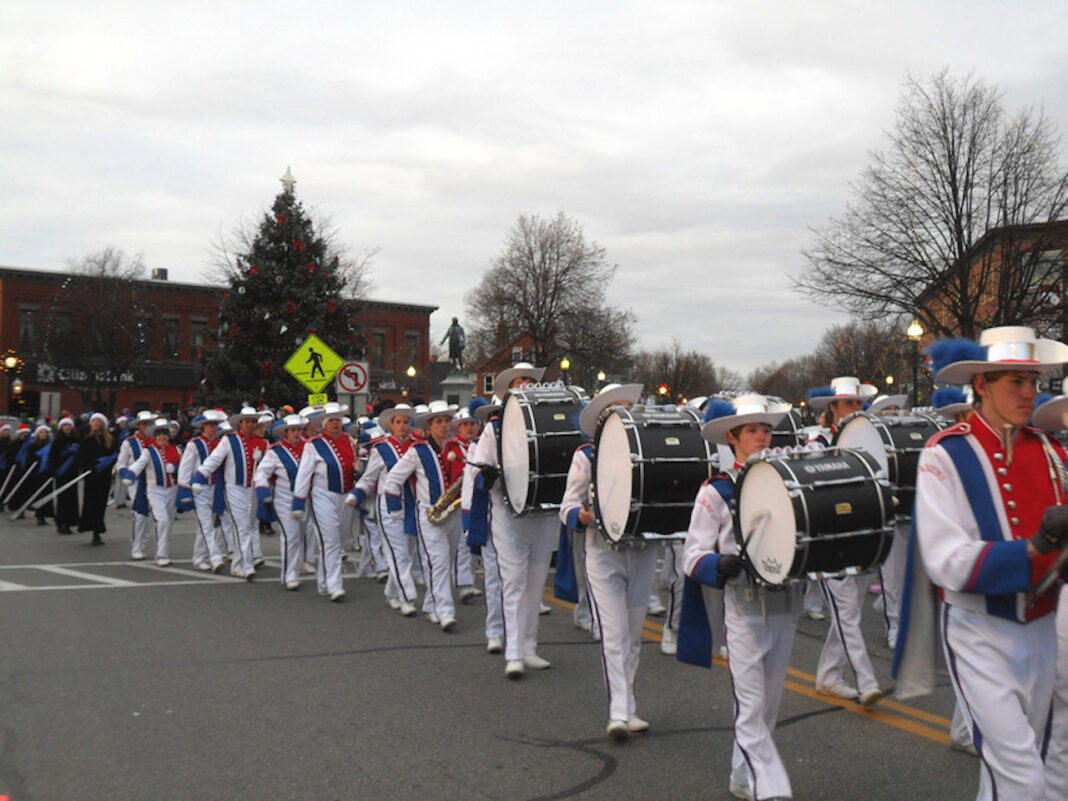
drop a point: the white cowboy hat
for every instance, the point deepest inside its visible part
(486, 410)
(884, 402)
(1008, 347)
(463, 415)
(246, 413)
(312, 413)
(144, 417)
(844, 387)
(162, 424)
(437, 408)
(951, 401)
(334, 411)
(385, 419)
(291, 421)
(518, 370)
(208, 416)
(747, 409)
(609, 394)
(1051, 415)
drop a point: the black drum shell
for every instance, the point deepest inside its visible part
(659, 433)
(820, 510)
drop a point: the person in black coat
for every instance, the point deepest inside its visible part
(96, 452)
(15, 468)
(38, 474)
(61, 463)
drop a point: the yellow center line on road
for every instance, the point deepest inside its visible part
(893, 713)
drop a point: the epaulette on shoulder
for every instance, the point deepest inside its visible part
(718, 477)
(587, 446)
(957, 430)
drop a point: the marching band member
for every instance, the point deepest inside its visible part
(130, 452)
(465, 430)
(373, 560)
(759, 625)
(618, 579)
(425, 461)
(97, 453)
(275, 478)
(327, 472)
(159, 462)
(989, 520)
(845, 642)
(209, 545)
(385, 453)
(1052, 416)
(482, 540)
(524, 544)
(236, 456)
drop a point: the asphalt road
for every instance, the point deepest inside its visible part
(122, 681)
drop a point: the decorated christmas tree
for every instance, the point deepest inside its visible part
(287, 283)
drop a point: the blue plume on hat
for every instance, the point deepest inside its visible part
(820, 392)
(575, 421)
(1043, 397)
(717, 408)
(945, 396)
(476, 403)
(947, 351)
(367, 424)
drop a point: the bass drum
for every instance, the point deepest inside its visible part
(790, 432)
(812, 514)
(538, 435)
(648, 465)
(896, 442)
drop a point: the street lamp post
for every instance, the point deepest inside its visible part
(565, 365)
(410, 372)
(12, 366)
(915, 333)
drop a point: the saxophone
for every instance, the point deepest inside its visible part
(448, 503)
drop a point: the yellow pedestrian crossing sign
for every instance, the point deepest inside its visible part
(313, 364)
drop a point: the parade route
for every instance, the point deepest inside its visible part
(208, 687)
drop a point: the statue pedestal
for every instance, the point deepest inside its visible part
(457, 388)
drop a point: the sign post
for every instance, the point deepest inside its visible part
(352, 383)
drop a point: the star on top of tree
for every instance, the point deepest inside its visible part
(288, 181)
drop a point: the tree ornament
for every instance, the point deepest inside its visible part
(291, 307)
(311, 267)
(283, 329)
(330, 307)
(241, 290)
(298, 245)
(283, 219)
(253, 270)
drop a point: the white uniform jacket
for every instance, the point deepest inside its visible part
(577, 492)
(423, 463)
(977, 502)
(277, 473)
(237, 456)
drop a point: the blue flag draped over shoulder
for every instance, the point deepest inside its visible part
(42, 458)
(565, 585)
(24, 453)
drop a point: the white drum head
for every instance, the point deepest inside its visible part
(861, 434)
(613, 478)
(515, 454)
(769, 527)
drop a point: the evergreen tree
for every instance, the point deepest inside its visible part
(286, 284)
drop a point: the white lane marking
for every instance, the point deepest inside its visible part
(204, 575)
(8, 585)
(94, 577)
(17, 588)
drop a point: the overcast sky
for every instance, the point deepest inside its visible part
(697, 142)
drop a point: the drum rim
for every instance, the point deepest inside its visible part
(599, 518)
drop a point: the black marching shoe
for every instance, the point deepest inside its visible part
(96, 539)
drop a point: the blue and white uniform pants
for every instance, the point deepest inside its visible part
(398, 551)
(331, 515)
(1057, 751)
(292, 540)
(1003, 674)
(619, 583)
(673, 578)
(438, 545)
(209, 545)
(524, 549)
(845, 642)
(491, 573)
(241, 512)
(161, 506)
(582, 615)
(759, 636)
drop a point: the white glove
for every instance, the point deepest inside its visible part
(199, 489)
(297, 514)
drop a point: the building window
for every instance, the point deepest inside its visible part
(28, 330)
(378, 349)
(143, 337)
(517, 354)
(487, 383)
(199, 334)
(411, 347)
(170, 338)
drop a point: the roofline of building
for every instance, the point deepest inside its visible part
(57, 276)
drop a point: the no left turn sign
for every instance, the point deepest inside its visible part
(352, 378)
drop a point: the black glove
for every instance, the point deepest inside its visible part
(490, 474)
(1053, 532)
(729, 566)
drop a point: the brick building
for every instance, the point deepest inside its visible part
(397, 334)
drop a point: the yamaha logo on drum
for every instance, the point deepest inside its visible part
(828, 467)
(771, 566)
